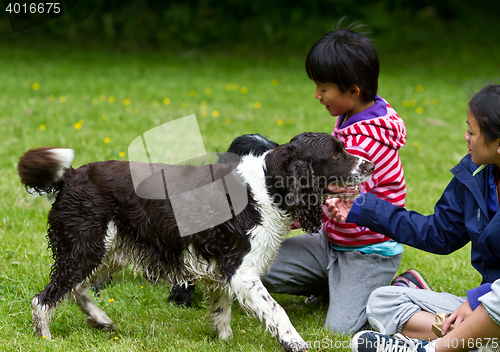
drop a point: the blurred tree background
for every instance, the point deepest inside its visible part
(263, 25)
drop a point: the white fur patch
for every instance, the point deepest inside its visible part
(109, 240)
(198, 268)
(42, 315)
(267, 237)
(357, 171)
(65, 157)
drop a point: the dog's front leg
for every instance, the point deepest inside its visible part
(220, 307)
(255, 298)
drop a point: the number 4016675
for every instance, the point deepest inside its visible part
(48, 7)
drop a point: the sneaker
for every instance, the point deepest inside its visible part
(490, 347)
(371, 341)
(411, 279)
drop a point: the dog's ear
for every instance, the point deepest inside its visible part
(278, 162)
(297, 180)
(304, 197)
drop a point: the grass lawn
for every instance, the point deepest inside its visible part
(97, 102)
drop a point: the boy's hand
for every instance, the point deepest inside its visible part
(339, 207)
(457, 317)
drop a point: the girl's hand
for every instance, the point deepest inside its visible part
(457, 317)
(339, 208)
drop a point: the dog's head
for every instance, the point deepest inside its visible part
(308, 169)
(247, 144)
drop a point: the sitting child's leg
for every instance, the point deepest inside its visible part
(352, 276)
(478, 330)
(391, 309)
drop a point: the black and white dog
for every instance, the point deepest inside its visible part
(247, 144)
(98, 222)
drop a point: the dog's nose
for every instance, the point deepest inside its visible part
(368, 167)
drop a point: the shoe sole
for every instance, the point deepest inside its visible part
(420, 279)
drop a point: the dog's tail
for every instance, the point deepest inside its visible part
(40, 169)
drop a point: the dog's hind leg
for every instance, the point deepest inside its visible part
(75, 262)
(115, 260)
(255, 298)
(42, 314)
(64, 278)
(220, 307)
(95, 316)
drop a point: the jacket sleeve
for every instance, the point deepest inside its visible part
(474, 294)
(441, 233)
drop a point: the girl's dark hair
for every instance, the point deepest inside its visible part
(485, 106)
(346, 58)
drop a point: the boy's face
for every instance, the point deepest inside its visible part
(336, 102)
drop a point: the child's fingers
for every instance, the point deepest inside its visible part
(447, 323)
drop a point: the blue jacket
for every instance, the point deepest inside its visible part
(467, 211)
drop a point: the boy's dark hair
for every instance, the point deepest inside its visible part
(346, 58)
(485, 106)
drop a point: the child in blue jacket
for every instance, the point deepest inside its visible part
(468, 211)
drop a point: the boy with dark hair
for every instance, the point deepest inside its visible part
(344, 261)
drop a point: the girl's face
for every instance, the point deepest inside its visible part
(481, 150)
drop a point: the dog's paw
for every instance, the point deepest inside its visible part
(104, 324)
(43, 333)
(294, 345)
(225, 333)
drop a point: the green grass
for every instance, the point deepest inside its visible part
(73, 88)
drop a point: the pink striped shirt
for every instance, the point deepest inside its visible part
(376, 134)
